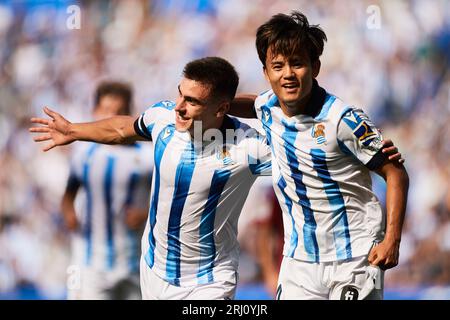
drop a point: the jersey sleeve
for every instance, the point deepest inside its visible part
(144, 125)
(358, 136)
(260, 101)
(259, 155)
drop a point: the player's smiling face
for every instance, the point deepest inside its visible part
(291, 79)
(194, 104)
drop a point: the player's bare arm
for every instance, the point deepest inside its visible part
(59, 131)
(242, 106)
(386, 253)
(68, 209)
(135, 217)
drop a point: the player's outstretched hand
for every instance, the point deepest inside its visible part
(56, 130)
(392, 151)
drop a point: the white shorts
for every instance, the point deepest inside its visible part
(91, 284)
(155, 288)
(352, 279)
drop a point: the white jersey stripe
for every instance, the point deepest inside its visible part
(294, 235)
(88, 219)
(183, 178)
(340, 230)
(309, 228)
(160, 146)
(208, 248)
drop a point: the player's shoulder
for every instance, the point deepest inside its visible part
(164, 104)
(244, 132)
(266, 98)
(334, 109)
(161, 106)
(162, 111)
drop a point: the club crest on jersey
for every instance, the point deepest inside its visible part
(224, 155)
(318, 133)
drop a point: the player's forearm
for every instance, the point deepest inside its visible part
(397, 181)
(67, 204)
(142, 214)
(243, 106)
(114, 130)
(264, 250)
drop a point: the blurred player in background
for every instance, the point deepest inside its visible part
(337, 239)
(105, 205)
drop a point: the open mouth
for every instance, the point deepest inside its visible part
(291, 88)
(290, 85)
(181, 118)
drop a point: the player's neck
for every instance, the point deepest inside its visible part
(296, 109)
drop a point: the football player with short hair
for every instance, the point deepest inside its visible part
(338, 242)
(205, 163)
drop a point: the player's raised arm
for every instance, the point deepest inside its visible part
(59, 131)
(242, 106)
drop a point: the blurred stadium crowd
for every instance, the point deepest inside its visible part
(399, 73)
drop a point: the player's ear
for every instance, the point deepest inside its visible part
(316, 68)
(224, 107)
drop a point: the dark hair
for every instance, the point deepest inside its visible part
(215, 72)
(288, 35)
(116, 88)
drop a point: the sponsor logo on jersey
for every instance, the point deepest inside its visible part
(364, 133)
(266, 116)
(166, 133)
(349, 293)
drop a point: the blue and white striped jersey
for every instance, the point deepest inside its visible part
(321, 177)
(112, 178)
(198, 192)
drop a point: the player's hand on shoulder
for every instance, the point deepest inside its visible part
(392, 151)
